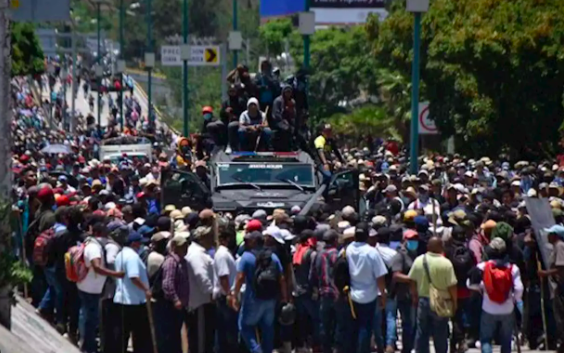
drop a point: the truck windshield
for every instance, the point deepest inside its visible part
(265, 173)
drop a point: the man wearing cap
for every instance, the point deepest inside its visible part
(225, 271)
(322, 278)
(367, 270)
(556, 272)
(254, 312)
(91, 287)
(170, 308)
(156, 258)
(132, 293)
(424, 199)
(201, 316)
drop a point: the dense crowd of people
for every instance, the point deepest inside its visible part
(452, 243)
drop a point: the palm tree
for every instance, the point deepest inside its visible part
(395, 93)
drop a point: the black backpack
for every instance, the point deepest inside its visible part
(341, 274)
(267, 276)
(156, 283)
(463, 261)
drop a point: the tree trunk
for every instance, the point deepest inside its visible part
(5, 151)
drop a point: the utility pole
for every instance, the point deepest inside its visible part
(185, 105)
(307, 54)
(98, 63)
(417, 7)
(149, 65)
(5, 155)
(72, 126)
(235, 20)
(122, 57)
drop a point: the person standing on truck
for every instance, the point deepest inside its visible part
(325, 144)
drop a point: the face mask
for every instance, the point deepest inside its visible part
(207, 116)
(412, 245)
(423, 197)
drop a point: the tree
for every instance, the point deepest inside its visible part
(366, 121)
(492, 69)
(27, 55)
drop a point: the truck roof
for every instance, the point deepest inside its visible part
(281, 157)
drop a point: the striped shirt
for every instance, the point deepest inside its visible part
(321, 275)
(175, 279)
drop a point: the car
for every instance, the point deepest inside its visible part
(246, 181)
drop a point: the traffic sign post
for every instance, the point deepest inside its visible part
(196, 55)
(426, 124)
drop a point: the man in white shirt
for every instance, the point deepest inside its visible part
(132, 293)
(201, 316)
(423, 200)
(500, 283)
(91, 287)
(367, 271)
(225, 273)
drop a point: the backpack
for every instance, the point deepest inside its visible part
(156, 283)
(302, 272)
(267, 275)
(498, 282)
(463, 261)
(341, 274)
(75, 267)
(42, 247)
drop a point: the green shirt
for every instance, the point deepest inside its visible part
(440, 269)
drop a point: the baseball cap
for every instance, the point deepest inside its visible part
(259, 214)
(136, 237)
(391, 188)
(253, 225)
(275, 233)
(159, 236)
(556, 229)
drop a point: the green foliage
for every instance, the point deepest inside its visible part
(27, 55)
(274, 33)
(367, 120)
(204, 88)
(493, 70)
(12, 271)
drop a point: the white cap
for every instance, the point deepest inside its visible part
(391, 188)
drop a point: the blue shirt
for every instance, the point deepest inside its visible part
(128, 293)
(247, 265)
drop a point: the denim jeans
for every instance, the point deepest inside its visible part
(488, 326)
(256, 313)
(390, 313)
(328, 327)
(244, 136)
(407, 312)
(89, 320)
(226, 333)
(307, 320)
(430, 324)
(54, 296)
(362, 327)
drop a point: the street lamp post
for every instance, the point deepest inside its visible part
(307, 29)
(417, 7)
(98, 63)
(149, 61)
(122, 57)
(235, 19)
(185, 68)
(307, 54)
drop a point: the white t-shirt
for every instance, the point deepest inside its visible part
(365, 266)
(223, 265)
(93, 283)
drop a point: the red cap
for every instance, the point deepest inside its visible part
(140, 194)
(81, 159)
(253, 225)
(45, 193)
(63, 200)
(24, 158)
